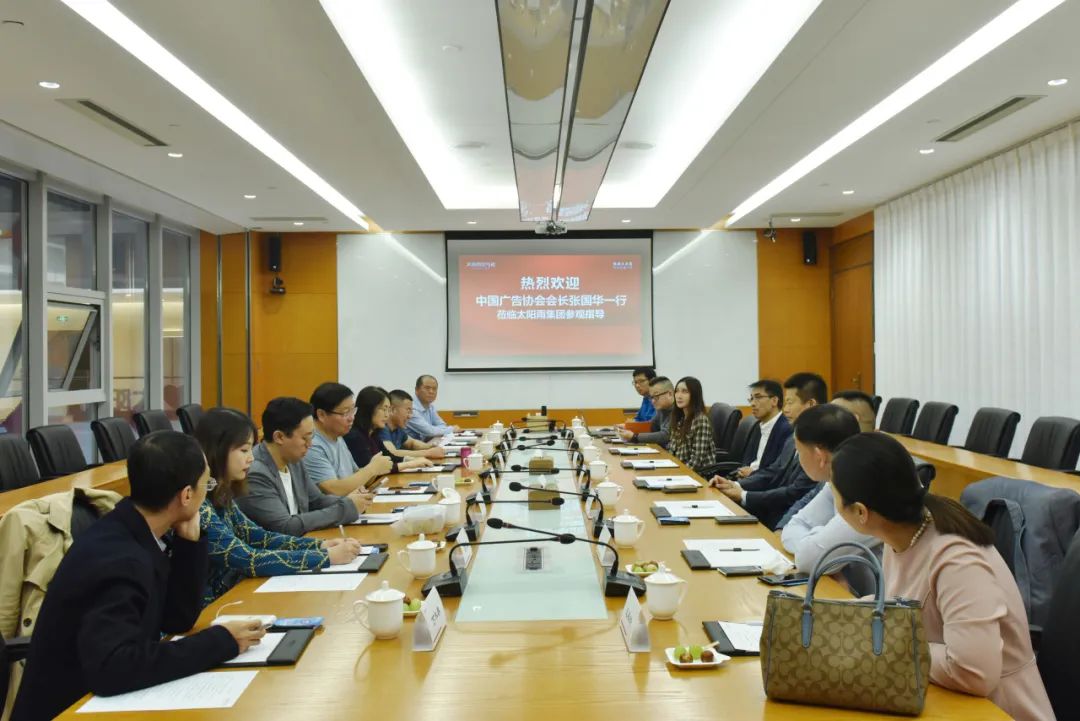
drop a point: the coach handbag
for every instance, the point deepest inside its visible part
(868, 655)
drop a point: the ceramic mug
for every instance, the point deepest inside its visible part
(628, 529)
(452, 507)
(665, 592)
(591, 453)
(485, 448)
(444, 481)
(418, 557)
(383, 612)
(475, 462)
(608, 492)
(598, 471)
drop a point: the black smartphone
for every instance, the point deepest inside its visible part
(674, 521)
(740, 570)
(788, 579)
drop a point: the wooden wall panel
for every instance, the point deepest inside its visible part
(208, 318)
(852, 309)
(853, 228)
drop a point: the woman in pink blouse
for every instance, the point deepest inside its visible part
(938, 553)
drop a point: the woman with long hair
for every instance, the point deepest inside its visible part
(937, 553)
(372, 415)
(239, 548)
(690, 432)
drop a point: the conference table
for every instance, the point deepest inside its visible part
(108, 477)
(529, 670)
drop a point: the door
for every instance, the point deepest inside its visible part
(853, 329)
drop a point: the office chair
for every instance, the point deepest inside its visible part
(56, 450)
(725, 421)
(1061, 637)
(1053, 442)
(17, 468)
(190, 415)
(150, 421)
(114, 438)
(992, 431)
(899, 416)
(935, 422)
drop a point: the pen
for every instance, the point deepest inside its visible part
(341, 528)
(733, 550)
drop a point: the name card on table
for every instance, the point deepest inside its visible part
(589, 507)
(430, 623)
(634, 624)
(606, 555)
(464, 552)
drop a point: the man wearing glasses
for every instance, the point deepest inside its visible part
(662, 397)
(642, 378)
(765, 400)
(329, 462)
(394, 436)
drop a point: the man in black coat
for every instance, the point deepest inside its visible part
(136, 574)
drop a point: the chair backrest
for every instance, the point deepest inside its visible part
(17, 468)
(114, 438)
(150, 421)
(748, 431)
(56, 450)
(899, 415)
(935, 422)
(926, 471)
(1061, 637)
(1053, 442)
(877, 404)
(992, 431)
(190, 415)
(725, 421)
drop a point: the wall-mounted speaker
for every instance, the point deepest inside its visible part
(809, 248)
(273, 252)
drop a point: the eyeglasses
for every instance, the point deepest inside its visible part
(211, 484)
(344, 414)
(658, 395)
(751, 399)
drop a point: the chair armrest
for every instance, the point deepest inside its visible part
(720, 469)
(17, 648)
(1036, 637)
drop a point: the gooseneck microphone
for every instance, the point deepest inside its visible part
(598, 522)
(583, 473)
(616, 582)
(470, 525)
(453, 582)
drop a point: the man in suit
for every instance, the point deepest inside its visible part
(281, 496)
(766, 397)
(136, 574)
(769, 492)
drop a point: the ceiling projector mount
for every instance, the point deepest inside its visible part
(551, 227)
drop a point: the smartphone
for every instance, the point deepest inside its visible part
(674, 521)
(301, 622)
(788, 579)
(740, 570)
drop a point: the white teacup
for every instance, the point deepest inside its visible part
(418, 557)
(485, 448)
(665, 591)
(475, 462)
(444, 481)
(628, 529)
(497, 427)
(493, 436)
(598, 470)
(591, 453)
(452, 505)
(577, 422)
(608, 492)
(383, 611)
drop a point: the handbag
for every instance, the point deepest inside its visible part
(867, 655)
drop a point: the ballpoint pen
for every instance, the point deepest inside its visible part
(341, 528)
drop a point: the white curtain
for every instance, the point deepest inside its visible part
(977, 287)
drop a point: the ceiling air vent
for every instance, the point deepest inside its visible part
(114, 122)
(991, 116)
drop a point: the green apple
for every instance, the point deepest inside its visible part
(680, 651)
(415, 605)
(637, 569)
(695, 651)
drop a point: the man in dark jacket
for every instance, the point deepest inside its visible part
(136, 574)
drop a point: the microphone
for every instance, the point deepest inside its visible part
(470, 525)
(582, 472)
(521, 447)
(598, 522)
(453, 582)
(616, 582)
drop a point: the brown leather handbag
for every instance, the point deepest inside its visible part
(867, 655)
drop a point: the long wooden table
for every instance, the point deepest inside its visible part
(535, 670)
(957, 468)
(110, 477)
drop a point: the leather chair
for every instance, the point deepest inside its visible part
(150, 421)
(56, 450)
(190, 415)
(747, 436)
(17, 468)
(725, 421)
(935, 422)
(114, 438)
(899, 416)
(877, 404)
(926, 471)
(1061, 637)
(992, 431)
(1053, 442)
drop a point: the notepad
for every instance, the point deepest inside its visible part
(694, 509)
(376, 519)
(635, 451)
(203, 690)
(735, 639)
(656, 483)
(725, 552)
(401, 491)
(399, 499)
(649, 465)
(312, 582)
(260, 652)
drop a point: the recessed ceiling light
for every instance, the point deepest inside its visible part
(49, 84)
(470, 222)
(848, 192)
(796, 220)
(176, 155)
(451, 48)
(298, 222)
(119, 28)
(626, 220)
(1009, 23)
(637, 145)
(471, 145)
(1055, 83)
(926, 151)
(249, 196)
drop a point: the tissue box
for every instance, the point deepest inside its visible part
(536, 423)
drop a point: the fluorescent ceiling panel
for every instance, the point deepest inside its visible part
(707, 57)
(996, 32)
(437, 98)
(121, 30)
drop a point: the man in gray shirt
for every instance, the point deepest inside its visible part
(281, 497)
(662, 395)
(329, 462)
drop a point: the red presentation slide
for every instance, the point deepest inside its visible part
(518, 305)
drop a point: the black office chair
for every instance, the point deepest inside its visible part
(190, 415)
(992, 431)
(56, 450)
(935, 422)
(17, 468)
(114, 438)
(926, 471)
(1061, 637)
(725, 421)
(150, 421)
(877, 404)
(1053, 442)
(899, 416)
(747, 436)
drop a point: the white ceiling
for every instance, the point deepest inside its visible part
(283, 64)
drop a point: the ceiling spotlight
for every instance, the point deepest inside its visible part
(848, 192)
(796, 220)
(49, 85)
(298, 222)
(1056, 83)
(926, 151)
(249, 196)
(626, 220)
(470, 222)
(471, 145)
(176, 155)
(451, 48)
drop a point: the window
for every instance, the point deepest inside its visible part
(12, 339)
(78, 417)
(130, 244)
(72, 243)
(176, 272)
(74, 346)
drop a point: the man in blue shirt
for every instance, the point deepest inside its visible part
(642, 376)
(394, 436)
(425, 423)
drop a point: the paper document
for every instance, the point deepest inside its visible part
(352, 566)
(401, 491)
(637, 451)
(312, 582)
(376, 519)
(650, 465)
(260, 651)
(735, 551)
(743, 636)
(695, 509)
(385, 498)
(425, 469)
(657, 483)
(203, 690)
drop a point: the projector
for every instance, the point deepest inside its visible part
(550, 228)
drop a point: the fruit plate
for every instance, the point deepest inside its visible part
(410, 614)
(641, 574)
(718, 660)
